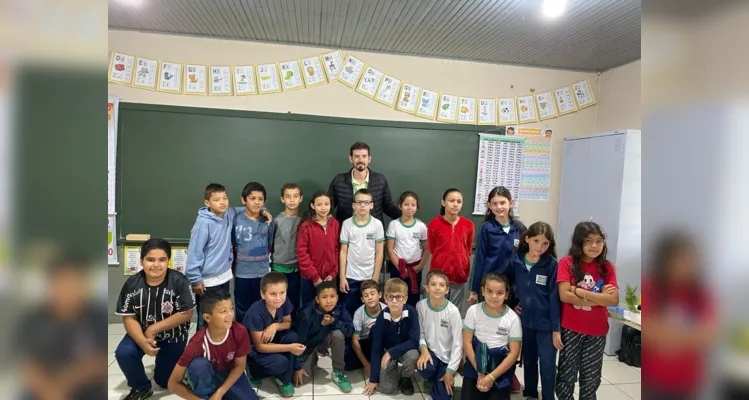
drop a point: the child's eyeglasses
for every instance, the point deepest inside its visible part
(363, 202)
(396, 298)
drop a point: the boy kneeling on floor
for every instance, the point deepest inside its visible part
(214, 360)
(321, 325)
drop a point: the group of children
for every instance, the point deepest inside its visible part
(517, 292)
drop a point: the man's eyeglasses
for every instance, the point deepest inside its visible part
(363, 202)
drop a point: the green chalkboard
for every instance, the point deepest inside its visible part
(167, 155)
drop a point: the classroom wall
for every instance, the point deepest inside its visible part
(619, 98)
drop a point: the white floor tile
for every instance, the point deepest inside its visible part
(325, 363)
(117, 386)
(324, 385)
(616, 373)
(380, 396)
(112, 342)
(633, 390)
(116, 329)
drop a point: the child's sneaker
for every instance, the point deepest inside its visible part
(139, 394)
(341, 381)
(427, 386)
(406, 386)
(255, 383)
(286, 390)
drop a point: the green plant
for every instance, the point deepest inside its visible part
(631, 298)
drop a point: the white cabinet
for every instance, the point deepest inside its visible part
(601, 182)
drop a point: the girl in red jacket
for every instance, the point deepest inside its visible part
(450, 239)
(317, 245)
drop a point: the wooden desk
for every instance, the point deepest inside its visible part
(625, 321)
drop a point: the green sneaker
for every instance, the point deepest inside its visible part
(427, 386)
(255, 383)
(340, 380)
(286, 390)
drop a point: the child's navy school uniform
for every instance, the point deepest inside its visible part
(312, 333)
(266, 365)
(536, 288)
(495, 250)
(396, 338)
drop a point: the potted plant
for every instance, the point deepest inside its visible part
(630, 298)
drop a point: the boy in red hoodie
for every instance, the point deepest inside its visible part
(450, 239)
(318, 245)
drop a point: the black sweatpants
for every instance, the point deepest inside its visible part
(582, 354)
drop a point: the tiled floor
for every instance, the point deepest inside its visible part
(620, 381)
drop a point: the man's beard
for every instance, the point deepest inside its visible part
(360, 167)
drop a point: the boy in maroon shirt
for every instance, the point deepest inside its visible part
(214, 360)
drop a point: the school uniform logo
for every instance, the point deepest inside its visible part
(516, 243)
(370, 236)
(444, 324)
(541, 280)
(230, 356)
(502, 331)
(416, 235)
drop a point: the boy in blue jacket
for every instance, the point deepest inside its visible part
(324, 324)
(535, 273)
(395, 338)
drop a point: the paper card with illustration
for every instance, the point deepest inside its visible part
(291, 75)
(352, 70)
(132, 264)
(487, 111)
(178, 261)
(448, 108)
(244, 80)
(527, 109)
(267, 77)
(583, 95)
(427, 107)
(467, 110)
(511, 130)
(546, 107)
(220, 80)
(388, 90)
(313, 71)
(333, 64)
(369, 82)
(146, 73)
(121, 68)
(508, 113)
(170, 77)
(565, 102)
(195, 79)
(408, 98)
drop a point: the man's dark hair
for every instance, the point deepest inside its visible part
(253, 187)
(325, 285)
(359, 146)
(209, 300)
(155, 244)
(213, 188)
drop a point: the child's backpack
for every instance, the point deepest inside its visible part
(629, 350)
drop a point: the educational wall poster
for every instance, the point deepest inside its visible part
(427, 107)
(121, 69)
(487, 111)
(333, 62)
(313, 71)
(467, 110)
(500, 163)
(528, 131)
(583, 95)
(408, 98)
(244, 80)
(564, 100)
(146, 73)
(369, 82)
(111, 240)
(220, 80)
(178, 261)
(291, 75)
(170, 77)
(546, 107)
(536, 175)
(352, 70)
(195, 79)
(448, 109)
(527, 110)
(132, 265)
(113, 105)
(508, 113)
(388, 91)
(267, 77)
